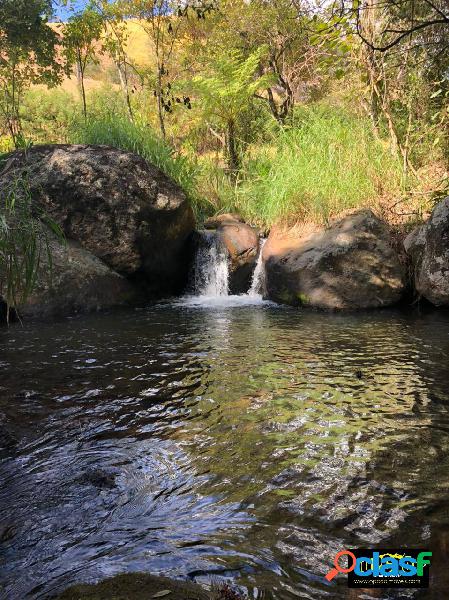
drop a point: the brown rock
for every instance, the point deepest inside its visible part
(136, 586)
(78, 282)
(218, 220)
(350, 265)
(242, 244)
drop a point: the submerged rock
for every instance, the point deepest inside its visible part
(350, 265)
(427, 247)
(137, 586)
(143, 586)
(100, 478)
(120, 208)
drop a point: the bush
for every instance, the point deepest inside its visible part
(47, 115)
(24, 243)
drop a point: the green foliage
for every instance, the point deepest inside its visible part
(327, 162)
(81, 35)
(228, 92)
(24, 242)
(232, 135)
(27, 56)
(47, 114)
(230, 87)
(23, 26)
(115, 129)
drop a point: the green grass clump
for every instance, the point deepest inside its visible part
(326, 162)
(25, 235)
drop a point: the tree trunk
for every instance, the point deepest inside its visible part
(233, 155)
(13, 120)
(273, 106)
(123, 75)
(80, 76)
(286, 108)
(160, 107)
(15, 130)
(83, 94)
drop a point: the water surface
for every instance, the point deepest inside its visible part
(241, 442)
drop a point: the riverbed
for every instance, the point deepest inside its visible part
(233, 441)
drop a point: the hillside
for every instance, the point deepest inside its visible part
(102, 70)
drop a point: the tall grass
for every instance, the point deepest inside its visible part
(47, 114)
(118, 131)
(25, 235)
(326, 162)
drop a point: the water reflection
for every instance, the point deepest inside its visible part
(249, 443)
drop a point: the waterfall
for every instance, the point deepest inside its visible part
(210, 276)
(257, 288)
(211, 270)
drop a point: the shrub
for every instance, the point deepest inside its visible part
(24, 242)
(47, 115)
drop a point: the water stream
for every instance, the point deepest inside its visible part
(244, 442)
(211, 269)
(211, 275)
(257, 288)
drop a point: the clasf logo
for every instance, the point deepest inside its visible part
(384, 568)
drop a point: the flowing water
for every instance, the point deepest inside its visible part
(211, 274)
(211, 269)
(221, 437)
(258, 286)
(246, 443)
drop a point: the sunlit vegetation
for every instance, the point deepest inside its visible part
(277, 110)
(24, 244)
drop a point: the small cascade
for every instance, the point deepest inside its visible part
(210, 276)
(211, 269)
(257, 288)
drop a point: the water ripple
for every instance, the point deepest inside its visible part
(248, 443)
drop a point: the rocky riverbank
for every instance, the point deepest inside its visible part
(355, 263)
(137, 586)
(126, 225)
(129, 237)
(348, 266)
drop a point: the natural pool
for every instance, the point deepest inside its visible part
(244, 442)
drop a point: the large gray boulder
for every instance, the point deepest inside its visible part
(427, 247)
(74, 280)
(119, 207)
(350, 265)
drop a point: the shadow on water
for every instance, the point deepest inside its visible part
(243, 443)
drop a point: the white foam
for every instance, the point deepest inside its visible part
(211, 278)
(222, 301)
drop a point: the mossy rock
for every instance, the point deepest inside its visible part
(136, 586)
